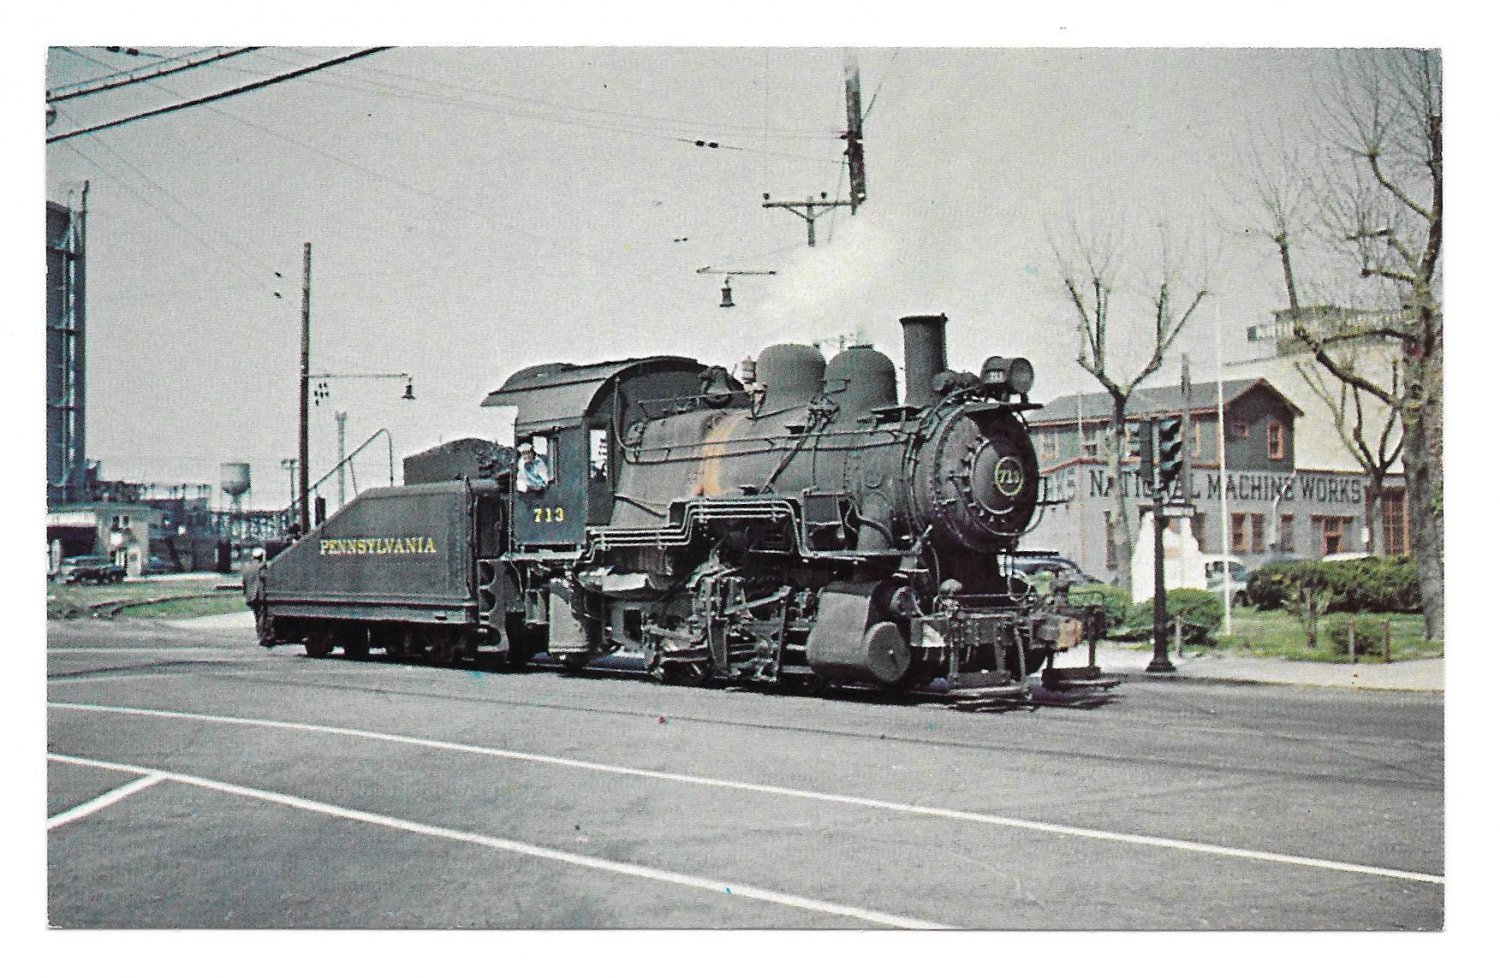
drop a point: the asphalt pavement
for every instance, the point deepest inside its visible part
(197, 780)
(1129, 663)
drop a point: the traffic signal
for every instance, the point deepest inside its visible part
(1169, 449)
(1140, 446)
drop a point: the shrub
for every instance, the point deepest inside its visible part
(1267, 588)
(1369, 636)
(1113, 600)
(1307, 598)
(1373, 584)
(1202, 615)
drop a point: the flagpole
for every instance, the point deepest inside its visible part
(1223, 477)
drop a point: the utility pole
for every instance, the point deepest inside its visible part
(809, 210)
(854, 135)
(340, 418)
(304, 516)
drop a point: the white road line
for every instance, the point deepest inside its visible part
(948, 813)
(64, 680)
(105, 800)
(169, 652)
(153, 775)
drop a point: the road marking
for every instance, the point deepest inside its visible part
(137, 650)
(64, 679)
(1158, 842)
(105, 800)
(154, 775)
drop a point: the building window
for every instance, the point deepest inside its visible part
(1197, 439)
(1091, 442)
(1199, 527)
(1286, 536)
(1333, 533)
(1111, 558)
(1275, 441)
(1393, 519)
(1239, 429)
(1257, 533)
(1051, 448)
(1237, 532)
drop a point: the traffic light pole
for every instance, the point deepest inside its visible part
(1159, 485)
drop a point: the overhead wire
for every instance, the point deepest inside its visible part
(253, 86)
(673, 135)
(261, 264)
(394, 181)
(133, 78)
(375, 173)
(120, 72)
(255, 279)
(114, 69)
(191, 233)
(683, 123)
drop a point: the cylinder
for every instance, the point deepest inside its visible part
(926, 356)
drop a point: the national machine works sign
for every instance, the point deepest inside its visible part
(1241, 486)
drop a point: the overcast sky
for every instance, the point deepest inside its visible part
(473, 211)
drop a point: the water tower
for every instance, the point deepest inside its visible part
(234, 479)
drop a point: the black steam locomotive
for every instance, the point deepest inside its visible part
(801, 528)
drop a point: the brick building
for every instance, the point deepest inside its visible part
(1273, 503)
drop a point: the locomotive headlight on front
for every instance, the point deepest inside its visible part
(1003, 376)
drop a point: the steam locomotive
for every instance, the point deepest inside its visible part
(801, 528)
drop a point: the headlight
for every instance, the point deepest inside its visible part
(1008, 375)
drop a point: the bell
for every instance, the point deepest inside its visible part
(726, 300)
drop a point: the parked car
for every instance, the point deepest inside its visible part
(1050, 565)
(1332, 558)
(1214, 568)
(90, 568)
(158, 565)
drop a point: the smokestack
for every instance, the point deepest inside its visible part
(926, 356)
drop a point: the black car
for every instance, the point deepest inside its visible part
(1051, 565)
(90, 568)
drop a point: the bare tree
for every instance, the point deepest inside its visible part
(1090, 282)
(1374, 442)
(1371, 433)
(1379, 207)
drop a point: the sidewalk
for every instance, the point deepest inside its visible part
(1416, 675)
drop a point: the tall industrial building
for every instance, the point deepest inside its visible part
(67, 465)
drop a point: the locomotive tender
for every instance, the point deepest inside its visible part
(802, 530)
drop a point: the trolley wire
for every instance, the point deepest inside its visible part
(203, 100)
(132, 78)
(539, 114)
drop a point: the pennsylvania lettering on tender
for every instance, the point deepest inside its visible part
(376, 546)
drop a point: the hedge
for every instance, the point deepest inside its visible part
(1202, 615)
(1115, 601)
(1370, 584)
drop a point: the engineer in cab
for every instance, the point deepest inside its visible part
(531, 469)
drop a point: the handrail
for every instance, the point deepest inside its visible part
(290, 512)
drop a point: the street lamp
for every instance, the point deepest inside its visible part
(306, 376)
(321, 393)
